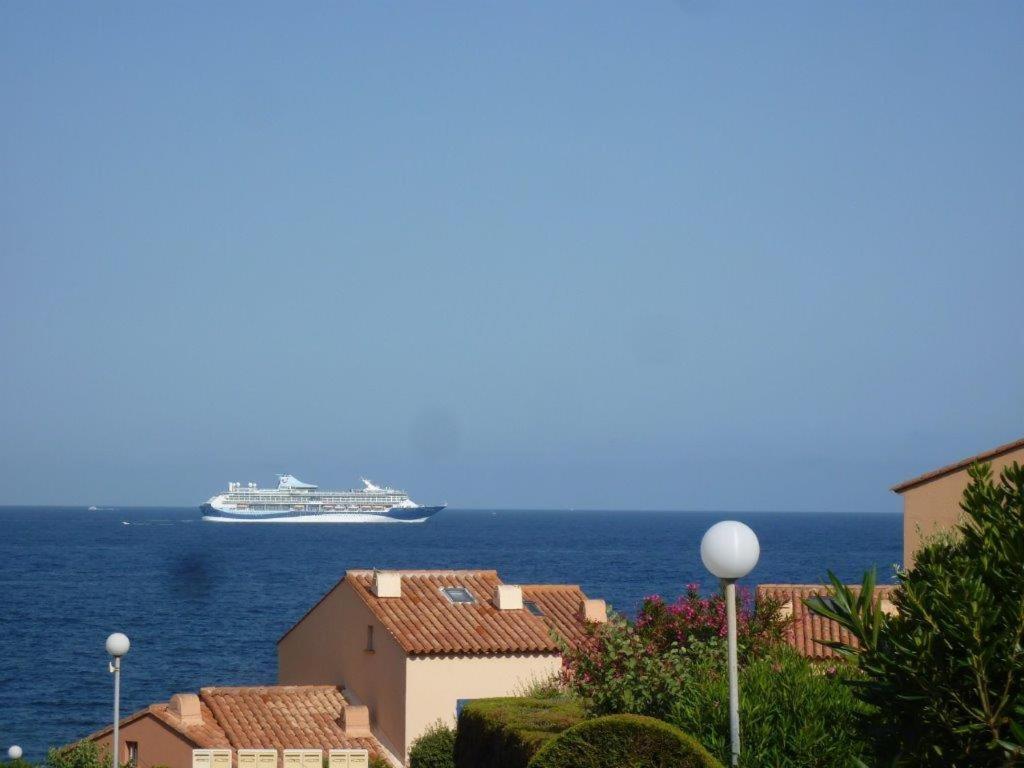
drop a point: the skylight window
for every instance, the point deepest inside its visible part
(532, 607)
(458, 595)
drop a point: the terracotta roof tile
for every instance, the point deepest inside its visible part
(560, 606)
(906, 485)
(424, 621)
(283, 717)
(265, 717)
(807, 630)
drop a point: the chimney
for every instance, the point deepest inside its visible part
(356, 720)
(508, 597)
(387, 584)
(594, 610)
(186, 707)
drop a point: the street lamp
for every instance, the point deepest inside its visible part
(117, 646)
(730, 551)
(14, 752)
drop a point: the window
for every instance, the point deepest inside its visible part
(458, 594)
(369, 637)
(532, 607)
(133, 753)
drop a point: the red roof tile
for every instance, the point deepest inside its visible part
(264, 717)
(560, 606)
(424, 621)
(283, 717)
(906, 485)
(806, 631)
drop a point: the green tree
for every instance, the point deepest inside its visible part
(943, 676)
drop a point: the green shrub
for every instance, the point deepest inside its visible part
(791, 712)
(640, 667)
(623, 740)
(379, 762)
(945, 675)
(505, 733)
(434, 749)
(84, 754)
(21, 762)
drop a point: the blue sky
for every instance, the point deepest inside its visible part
(646, 255)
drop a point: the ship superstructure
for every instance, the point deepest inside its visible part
(294, 501)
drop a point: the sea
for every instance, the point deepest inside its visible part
(204, 603)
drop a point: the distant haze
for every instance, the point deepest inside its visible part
(657, 255)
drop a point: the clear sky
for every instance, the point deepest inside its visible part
(678, 255)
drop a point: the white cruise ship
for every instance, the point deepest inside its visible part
(294, 501)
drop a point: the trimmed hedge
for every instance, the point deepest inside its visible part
(507, 732)
(615, 741)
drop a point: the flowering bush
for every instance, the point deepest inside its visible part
(671, 664)
(641, 667)
(693, 618)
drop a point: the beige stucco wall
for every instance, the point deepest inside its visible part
(434, 684)
(934, 506)
(158, 744)
(329, 647)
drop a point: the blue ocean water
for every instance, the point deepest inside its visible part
(205, 603)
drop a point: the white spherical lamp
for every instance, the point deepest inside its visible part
(118, 645)
(14, 753)
(730, 550)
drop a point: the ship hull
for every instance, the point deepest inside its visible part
(394, 515)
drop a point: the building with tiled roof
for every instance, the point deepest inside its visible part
(807, 632)
(931, 502)
(259, 717)
(414, 645)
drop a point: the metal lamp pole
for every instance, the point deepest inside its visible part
(117, 646)
(734, 666)
(730, 550)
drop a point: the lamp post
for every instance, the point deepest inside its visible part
(730, 551)
(117, 646)
(14, 752)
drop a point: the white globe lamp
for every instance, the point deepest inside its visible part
(118, 645)
(14, 752)
(730, 550)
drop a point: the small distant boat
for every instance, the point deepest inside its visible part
(94, 509)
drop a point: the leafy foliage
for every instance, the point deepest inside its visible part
(792, 713)
(84, 754)
(643, 667)
(693, 618)
(506, 732)
(672, 665)
(623, 740)
(434, 749)
(944, 675)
